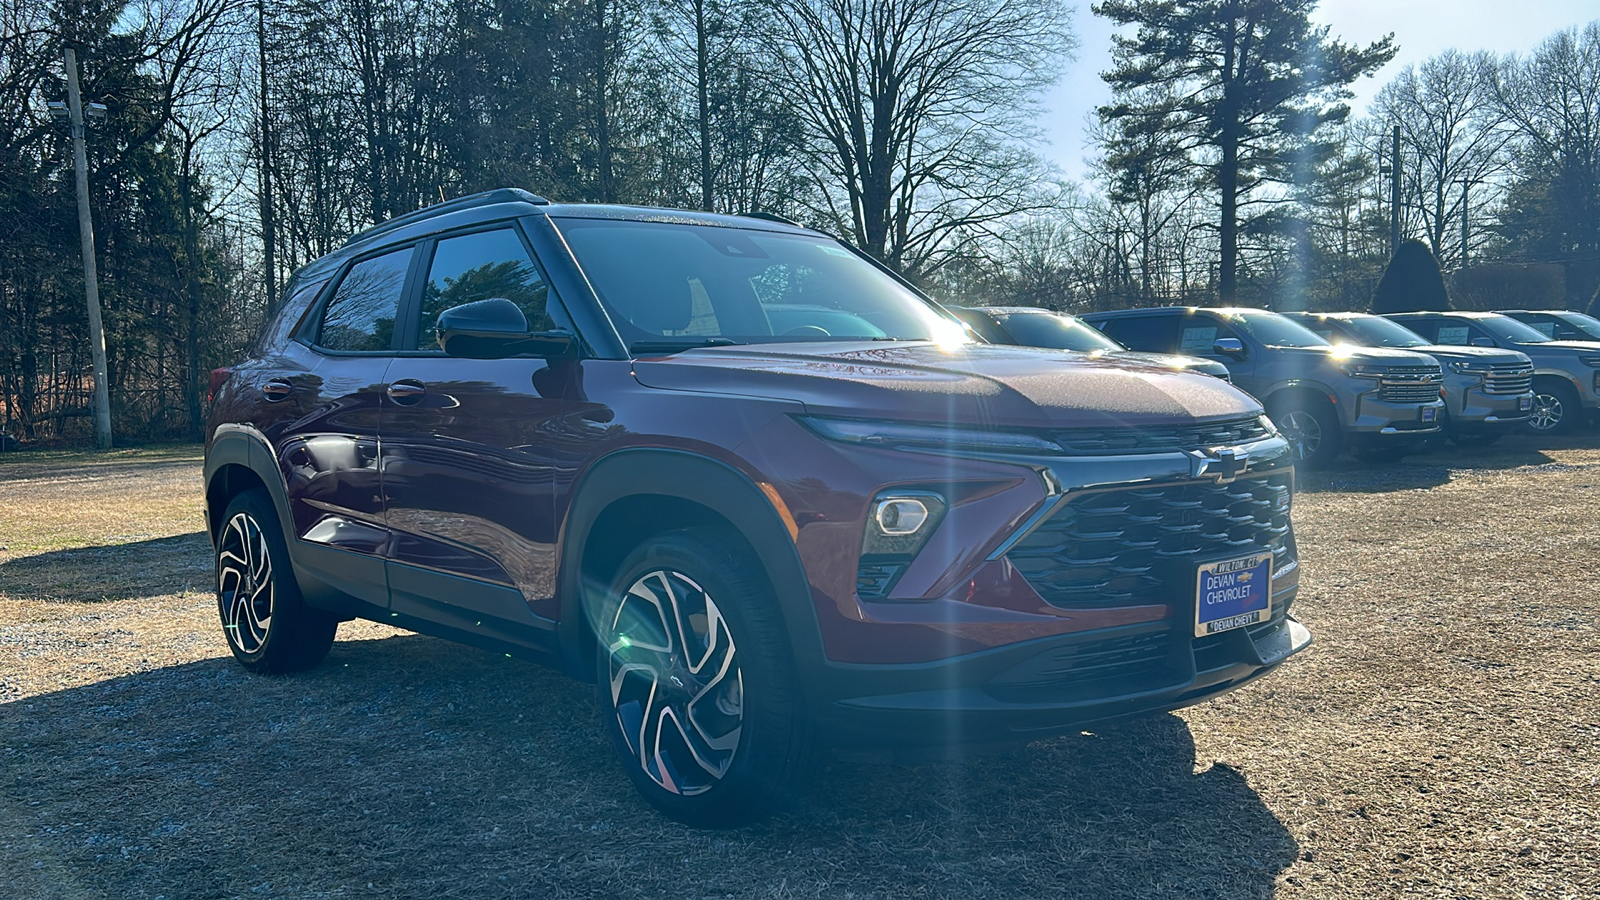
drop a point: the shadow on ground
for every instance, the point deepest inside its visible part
(128, 571)
(411, 767)
(1435, 466)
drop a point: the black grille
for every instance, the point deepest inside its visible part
(1141, 545)
(1515, 378)
(1126, 439)
(1095, 668)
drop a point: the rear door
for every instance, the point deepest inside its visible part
(328, 450)
(469, 449)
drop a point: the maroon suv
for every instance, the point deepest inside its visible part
(762, 491)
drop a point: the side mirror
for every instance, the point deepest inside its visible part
(1229, 347)
(495, 329)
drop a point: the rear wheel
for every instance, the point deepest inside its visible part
(269, 627)
(1311, 427)
(697, 690)
(1556, 408)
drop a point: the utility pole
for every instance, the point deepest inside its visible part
(1465, 182)
(91, 280)
(1394, 190)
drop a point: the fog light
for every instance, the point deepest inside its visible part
(901, 515)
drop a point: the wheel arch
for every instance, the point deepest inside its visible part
(625, 497)
(239, 459)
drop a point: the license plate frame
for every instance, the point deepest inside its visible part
(1430, 414)
(1232, 593)
(1525, 404)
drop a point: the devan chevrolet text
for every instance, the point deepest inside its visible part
(765, 494)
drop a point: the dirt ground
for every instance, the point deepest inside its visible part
(1438, 740)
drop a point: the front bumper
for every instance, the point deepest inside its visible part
(1023, 692)
(983, 641)
(1474, 411)
(1370, 418)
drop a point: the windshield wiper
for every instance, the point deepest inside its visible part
(674, 346)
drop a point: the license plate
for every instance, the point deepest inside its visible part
(1524, 404)
(1232, 594)
(1430, 414)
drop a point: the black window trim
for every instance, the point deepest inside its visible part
(312, 335)
(411, 300)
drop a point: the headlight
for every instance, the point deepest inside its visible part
(927, 437)
(1469, 368)
(1363, 370)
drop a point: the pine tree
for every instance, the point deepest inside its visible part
(1412, 282)
(1237, 89)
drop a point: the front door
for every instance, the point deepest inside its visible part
(467, 453)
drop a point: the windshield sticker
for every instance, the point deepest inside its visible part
(1453, 334)
(1198, 340)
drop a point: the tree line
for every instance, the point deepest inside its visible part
(246, 138)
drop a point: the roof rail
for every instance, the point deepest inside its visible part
(771, 217)
(470, 201)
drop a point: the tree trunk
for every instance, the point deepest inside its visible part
(702, 63)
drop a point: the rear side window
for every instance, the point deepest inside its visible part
(362, 313)
(1151, 334)
(482, 266)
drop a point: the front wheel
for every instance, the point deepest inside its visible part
(697, 690)
(1312, 429)
(1556, 408)
(269, 627)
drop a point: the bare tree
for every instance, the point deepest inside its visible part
(919, 113)
(1453, 138)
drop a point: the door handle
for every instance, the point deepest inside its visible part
(277, 389)
(407, 391)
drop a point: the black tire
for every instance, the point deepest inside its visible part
(749, 748)
(1556, 408)
(1312, 428)
(270, 629)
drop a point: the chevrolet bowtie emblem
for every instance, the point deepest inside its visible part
(1222, 464)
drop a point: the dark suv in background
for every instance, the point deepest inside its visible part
(1025, 326)
(1487, 391)
(761, 491)
(1380, 403)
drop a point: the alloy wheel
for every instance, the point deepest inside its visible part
(1303, 432)
(675, 682)
(244, 583)
(1546, 413)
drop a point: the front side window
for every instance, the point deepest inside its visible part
(1151, 334)
(361, 315)
(482, 266)
(677, 283)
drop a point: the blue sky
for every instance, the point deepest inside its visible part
(1422, 28)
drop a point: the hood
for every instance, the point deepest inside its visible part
(1350, 352)
(978, 384)
(1565, 346)
(1489, 355)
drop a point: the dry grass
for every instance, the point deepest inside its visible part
(1439, 739)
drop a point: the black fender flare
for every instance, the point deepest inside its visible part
(242, 445)
(701, 480)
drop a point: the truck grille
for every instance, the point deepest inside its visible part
(1410, 384)
(1122, 439)
(1141, 545)
(1512, 378)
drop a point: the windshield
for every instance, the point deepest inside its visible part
(1274, 330)
(1057, 332)
(1508, 329)
(669, 285)
(1376, 331)
(1589, 325)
